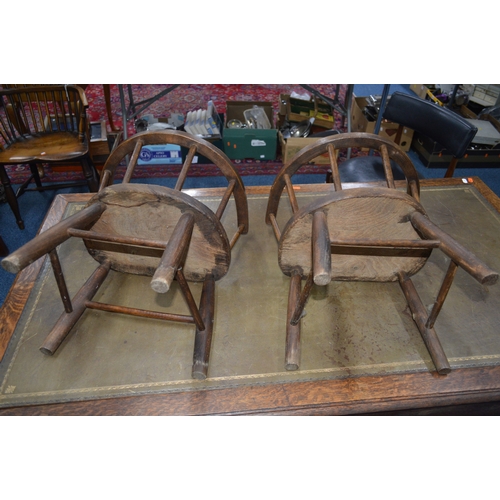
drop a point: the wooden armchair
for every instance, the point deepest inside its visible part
(147, 230)
(39, 125)
(378, 234)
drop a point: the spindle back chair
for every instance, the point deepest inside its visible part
(379, 234)
(147, 230)
(40, 125)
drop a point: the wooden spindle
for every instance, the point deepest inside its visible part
(186, 291)
(321, 250)
(387, 166)
(275, 226)
(61, 282)
(125, 240)
(141, 313)
(68, 320)
(185, 167)
(53, 98)
(174, 253)
(31, 111)
(301, 304)
(332, 154)
(203, 338)
(225, 198)
(133, 162)
(413, 189)
(291, 193)
(443, 292)
(369, 242)
(236, 236)
(105, 179)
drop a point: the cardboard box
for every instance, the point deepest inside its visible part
(486, 95)
(290, 147)
(160, 154)
(419, 89)
(99, 146)
(258, 144)
(297, 110)
(360, 123)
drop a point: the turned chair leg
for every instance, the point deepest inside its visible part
(90, 173)
(203, 338)
(292, 353)
(35, 176)
(11, 197)
(429, 335)
(68, 320)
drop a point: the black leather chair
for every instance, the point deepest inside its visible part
(440, 124)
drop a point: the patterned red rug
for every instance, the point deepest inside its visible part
(182, 99)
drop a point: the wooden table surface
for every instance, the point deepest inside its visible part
(416, 392)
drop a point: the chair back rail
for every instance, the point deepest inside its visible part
(129, 151)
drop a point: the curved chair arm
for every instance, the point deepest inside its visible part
(342, 141)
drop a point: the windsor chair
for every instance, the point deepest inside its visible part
(44, 124)
(147, 230)
(370, 233)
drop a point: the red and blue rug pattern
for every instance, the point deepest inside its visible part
(184, 98)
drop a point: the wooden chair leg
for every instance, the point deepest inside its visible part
(90, 174)
(451, 167)
(203, 338)
(4, 251)
(107, 100)
(68, 320)
(292, 353)
(429, 335)
(10, 196)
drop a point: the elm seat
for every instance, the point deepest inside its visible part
(140, 211)
(440, 124)
(148, 230)
(40, 125)
(376, 233)
(378, 214)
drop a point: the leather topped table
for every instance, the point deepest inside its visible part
(361, 351)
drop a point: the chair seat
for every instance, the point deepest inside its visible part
(56, 146)
(151, 213)
(376, 214)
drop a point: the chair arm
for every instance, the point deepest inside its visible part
(48, 240)
(459, 254)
